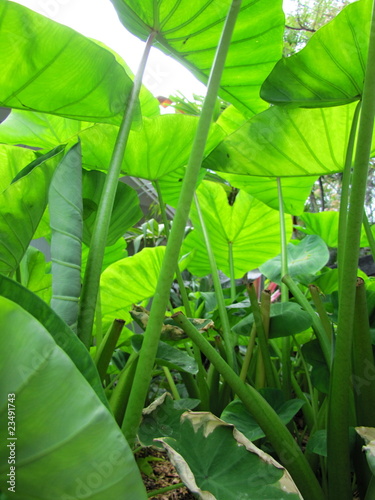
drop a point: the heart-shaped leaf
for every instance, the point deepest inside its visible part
(249, 226)
(95, 87)
(286, 142)
(295, 190)
(133, 278)
(326, 225)
(286, 318)
(236, 414)
(308, 257)
(190, 33)
(219, 463)
(330, 70)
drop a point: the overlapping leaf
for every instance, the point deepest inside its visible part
(34, 275)
(12, 160)
(66, 214)
(308, 257)
(285, 142)
(326, 225)
(21, 207)
(330, 70)
(125, 213)
(36, 52)
(129, 281)
(76, 445)
(62, 335)
(190, 32)
(219, 463)
(248, 225)
(295, 190)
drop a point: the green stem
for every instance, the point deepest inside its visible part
(151, 340)
(286, 365)
(231, 272)
(284, 252)
(370, 236)
(317, 325)
(91, 279)
(228, 342)
(321, 311)
(249, 353)
(345, 189)
(105, 350)
(120, 394)
(154, 493)
(285, 446)
(338, 412)
(171, 383)
(98, 321)
(363, 361)
(261, 335)
(184, 296)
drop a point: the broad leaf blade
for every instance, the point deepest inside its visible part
(22, 205)
(295, 190)
(36, 51)
(190, 32)
(248, 225)
(286, 142)
(218, 462)
(65, 209)
(308, 257)
(126, 211)
(57, 328)
(34, 274)
(76, 445)
(330, 70)
(236, 413)
(12, 160)
(134, 279)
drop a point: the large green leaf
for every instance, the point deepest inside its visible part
(66, 213)
(308, 257)
(34, 274)
(112, 254)
(219, 463)
(287, 142)
(190, 32)
(129, 281)
(236, 413)
(12, 160)
(170, 185)
(330, 70)
(36, 52)
(326, 225)
(21, 207)
(126, 211)
(64, 433)
(162, 145)
(162, 418)
(167, 355)
(57, 328)
(286, 318)
(295, 190)
(248, 225)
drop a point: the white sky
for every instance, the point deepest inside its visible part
(98, 19)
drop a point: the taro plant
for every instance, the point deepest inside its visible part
(263, 389)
